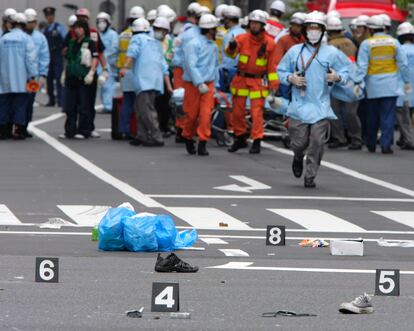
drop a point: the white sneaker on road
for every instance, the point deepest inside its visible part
(360, 305)
(79, 136)
(95, 134)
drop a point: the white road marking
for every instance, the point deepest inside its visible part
(349, 172)
(106, 177)
(214, 241)
(207, 218)
(403, 217)
(274, 197)
(7, 217)
(317, 220)
(84, 215)
(233, 252)
(252, 185)
(248, 266)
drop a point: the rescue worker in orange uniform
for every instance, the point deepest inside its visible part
(256, 78)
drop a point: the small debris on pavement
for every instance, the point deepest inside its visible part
(135, 313)
(182, 316)
(223, 225)
(313, 243)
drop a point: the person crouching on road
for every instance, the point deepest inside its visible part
(200, 72)
(256, 75)
(311, 68)
(150, 73)
(82, 60)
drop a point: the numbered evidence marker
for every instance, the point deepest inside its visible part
(165, 297)
(387, 282)
(47, 270)
(275, 235)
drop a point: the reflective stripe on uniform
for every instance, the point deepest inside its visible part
(273, 76)
(382, 55)
(261, 62)
(244, 92)
(258, 94)
(244, 58)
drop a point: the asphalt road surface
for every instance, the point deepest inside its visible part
(358, 195)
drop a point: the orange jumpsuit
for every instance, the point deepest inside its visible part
(256, 75)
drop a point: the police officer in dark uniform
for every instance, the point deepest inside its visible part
(55, 34)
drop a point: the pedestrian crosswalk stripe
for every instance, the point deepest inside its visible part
(208, 218)
(84, 215)
(403, 217)
(317, 220)
(233, 252)
(7, 217)
(214, 241)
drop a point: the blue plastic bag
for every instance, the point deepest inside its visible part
(185, 238)
(166, 233)
(111, 229)
(139, 234)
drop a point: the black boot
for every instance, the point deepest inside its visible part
(297, 167)
(19, 132)
(255, 149)
(239, 142)
(189, 146)
(202, 148)
(309, 183)
(178, 136)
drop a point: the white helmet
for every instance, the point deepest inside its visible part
(232, 12)
(334, 24)
(208, 21)
(162, 7)
(72, 19)
(362, 20)
(316, 17)
(375, 22)
(298, 18)
(405, 28)
(136, 12)
(9, 12)
(83, 12)
(244, 21)
(19, 18)
(162, 23)
(352, 24)
(266, 14)
(333, 13)
(193, 8)
(203, 10)
(104, 16)
(220, 10)
(152, 15)
(140, 25)
(257, 16)
(278, 5)
(386, 19)
(31, 14)
(168, 13)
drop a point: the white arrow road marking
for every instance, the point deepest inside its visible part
(7, 217)
(233, 252)
(207, 218)
(403, 217)
(247, 266)
(317, 220)
(253, 185)
(84, 215)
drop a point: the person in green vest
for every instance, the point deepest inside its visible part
(82, 60)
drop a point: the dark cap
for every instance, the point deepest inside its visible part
(49, 10)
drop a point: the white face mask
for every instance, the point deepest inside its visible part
(102, 26)
(158, 35)
(314, 36)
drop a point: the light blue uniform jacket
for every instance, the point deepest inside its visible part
(150, 66)
(18, 61)
(314, 105)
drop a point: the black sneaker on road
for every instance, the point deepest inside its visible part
(172, 263)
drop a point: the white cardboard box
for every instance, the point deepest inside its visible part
(347, 247)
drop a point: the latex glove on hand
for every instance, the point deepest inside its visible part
(408, 89)
(89, 77)
(232, 44)
(203, 88)
(63, 78)
(274, 102)
(358, 92)
(297, 80)
(103, 77)
(332, 77)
